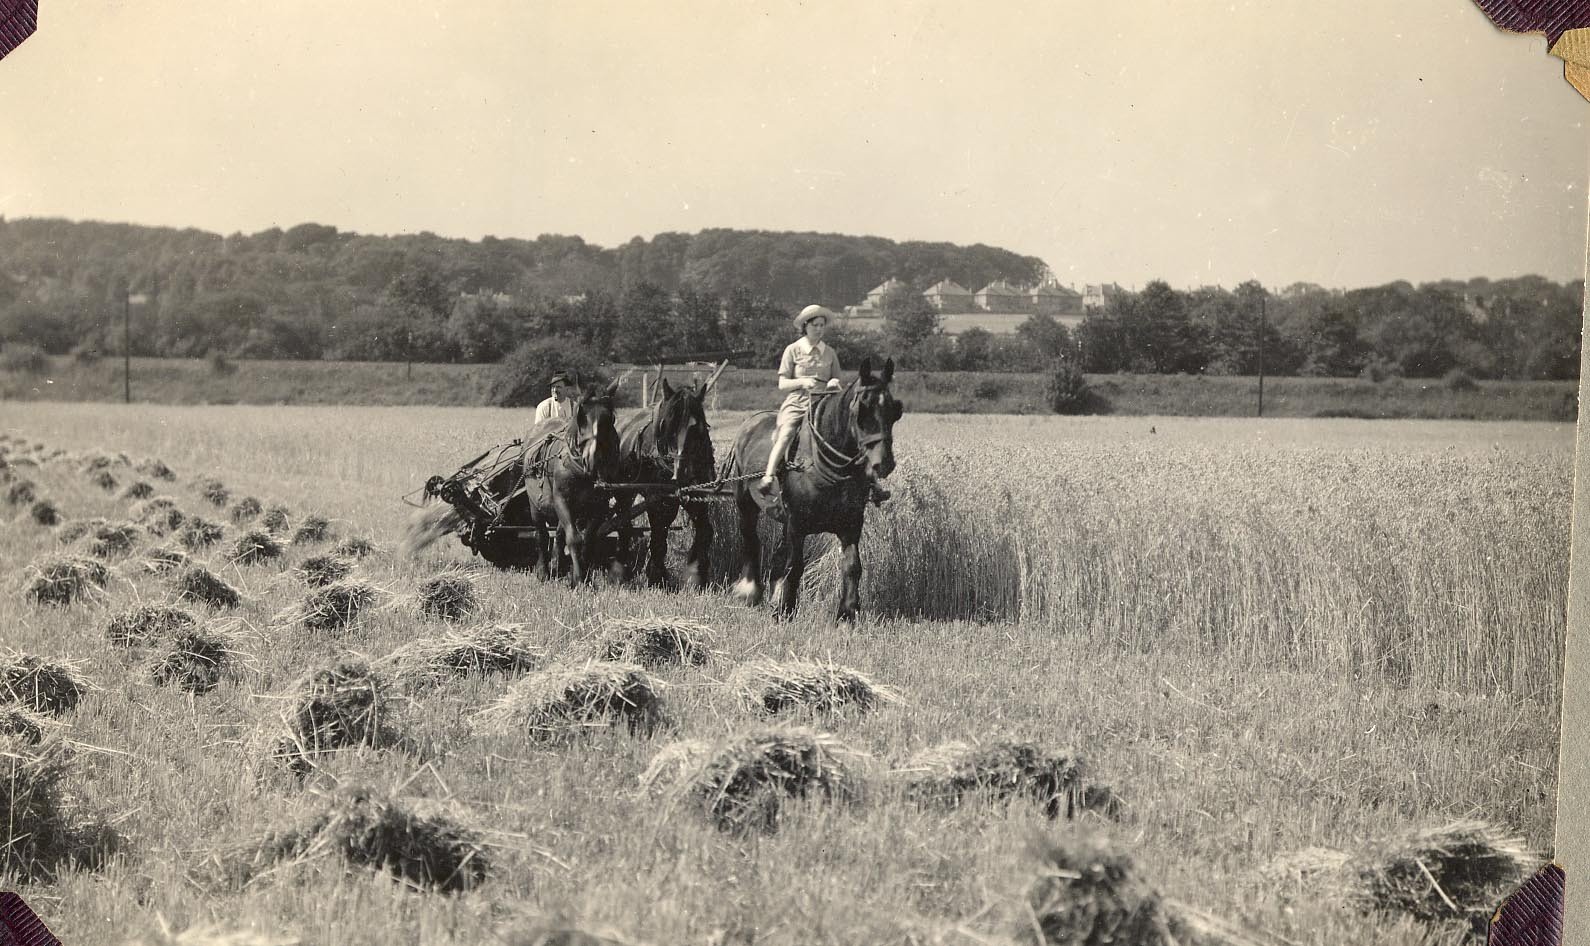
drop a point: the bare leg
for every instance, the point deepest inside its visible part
(749, 588)
(781, 441)
(849, 575)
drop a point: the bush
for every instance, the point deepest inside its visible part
(1066, 389)
(521, 378)
(220, 364)
(1459, 380)
(1378, 369)
(24, 359)
(85, 354)
(989, 389)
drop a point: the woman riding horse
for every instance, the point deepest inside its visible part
(846, 450)
(669, 445)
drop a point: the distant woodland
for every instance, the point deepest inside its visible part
(314, 292)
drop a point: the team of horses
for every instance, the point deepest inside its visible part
(570, 484)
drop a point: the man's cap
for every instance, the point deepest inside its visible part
(559, 378)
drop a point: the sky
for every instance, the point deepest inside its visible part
(1347, 144)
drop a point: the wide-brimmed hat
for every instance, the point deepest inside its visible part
(559, 378)
(812, 312)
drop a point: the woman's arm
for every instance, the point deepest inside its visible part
(796, 384)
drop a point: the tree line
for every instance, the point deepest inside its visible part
(313, 292)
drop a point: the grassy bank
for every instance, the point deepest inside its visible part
(195, 381)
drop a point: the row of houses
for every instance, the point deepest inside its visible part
(998, 307)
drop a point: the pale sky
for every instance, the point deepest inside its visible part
(1348, 143)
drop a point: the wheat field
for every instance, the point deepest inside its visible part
(1262, 635)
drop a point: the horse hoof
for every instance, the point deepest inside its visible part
(747, 592)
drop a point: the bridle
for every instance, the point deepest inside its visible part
(832, 463)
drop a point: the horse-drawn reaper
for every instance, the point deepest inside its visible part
(505, 504)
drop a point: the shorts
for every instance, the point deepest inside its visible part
(793, 410)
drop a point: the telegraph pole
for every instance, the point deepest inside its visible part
(126, 345)
(1261, 352)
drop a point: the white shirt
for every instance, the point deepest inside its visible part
(552, 408)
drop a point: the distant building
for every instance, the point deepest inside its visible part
(875, 297)
(948, 296)
(1053, 299)
(1000, 296)
(1097, 297)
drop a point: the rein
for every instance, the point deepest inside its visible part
(832, 464)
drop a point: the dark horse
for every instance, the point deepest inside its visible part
(552, 486)
(669, 445)
(845, 447)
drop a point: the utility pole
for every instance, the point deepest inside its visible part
(126, 345)
(1261, 352)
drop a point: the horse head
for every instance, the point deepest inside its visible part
(594, 432)
(873, 413)
(681, 431)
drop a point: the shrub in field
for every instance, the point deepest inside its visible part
(521, 378)
(1066, 389)
(65, 579)
(423, 843)
(480, 650)
(44, 686)
(654, 642)
(219, 364)
(743, 783)
(200, 585)
(145, 624)
(1459, 380)
(86, 355)
(560, 703)
(24, 359)
(1378, 369)
(774, 687)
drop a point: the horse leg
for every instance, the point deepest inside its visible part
(660, 518)
(618, 569)
(700, 546)
(787, 589)
(849, 575)
(573, 542)
(749, 588)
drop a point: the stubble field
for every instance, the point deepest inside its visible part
(1263, 636)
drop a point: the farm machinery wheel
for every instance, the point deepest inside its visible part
(503, 548)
